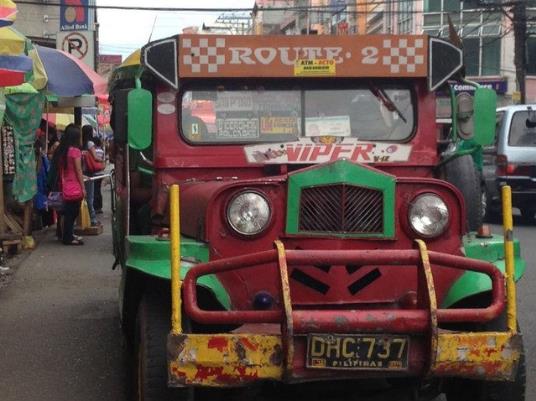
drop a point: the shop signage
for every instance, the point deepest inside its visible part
(74, 15)
(500, 86)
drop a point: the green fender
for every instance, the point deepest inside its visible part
(490, 250)
(152, 256)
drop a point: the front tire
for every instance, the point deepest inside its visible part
(150, 352)
(462, 173)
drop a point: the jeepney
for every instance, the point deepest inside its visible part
(283, 213)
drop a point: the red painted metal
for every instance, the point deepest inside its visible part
(341, 321)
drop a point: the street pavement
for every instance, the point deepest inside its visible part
(59, 330)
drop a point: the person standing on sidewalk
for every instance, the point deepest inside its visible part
(97, 197)
(69, 161)
(89, 146)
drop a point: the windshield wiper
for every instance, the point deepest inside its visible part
(386, 100)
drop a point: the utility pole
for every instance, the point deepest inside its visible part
(519, 21)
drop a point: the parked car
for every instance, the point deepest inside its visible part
(512, 161)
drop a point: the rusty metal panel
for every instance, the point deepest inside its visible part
(219, 360)
(483, 355)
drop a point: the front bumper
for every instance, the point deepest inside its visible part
(237, 359)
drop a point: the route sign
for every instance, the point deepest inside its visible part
(78, 44)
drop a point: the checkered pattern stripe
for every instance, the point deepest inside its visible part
(404, 56)
(207, 54)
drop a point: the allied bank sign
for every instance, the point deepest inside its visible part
(74, 15)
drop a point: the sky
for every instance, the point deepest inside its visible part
(122, 31)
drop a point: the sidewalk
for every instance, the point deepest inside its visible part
(59, 327)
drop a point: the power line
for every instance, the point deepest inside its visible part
(323, 8)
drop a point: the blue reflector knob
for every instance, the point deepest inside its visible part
(263, 300)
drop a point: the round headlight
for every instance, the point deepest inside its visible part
(428, 215)
(249, 213)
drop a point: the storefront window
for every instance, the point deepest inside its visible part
(531, 55)
(432, 5)
(491, 56)
(471, 50)
(472, 4)
(451, 5)
(480, 29)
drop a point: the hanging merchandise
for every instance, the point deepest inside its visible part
(7, 138)
(23, 113)
(2, 105)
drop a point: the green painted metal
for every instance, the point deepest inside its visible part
(485, 102)
(342, 171)
(150, 255)
(488, 249)
(140, 118)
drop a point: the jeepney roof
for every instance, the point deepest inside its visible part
(255, 56)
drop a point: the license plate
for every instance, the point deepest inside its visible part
(357, 352)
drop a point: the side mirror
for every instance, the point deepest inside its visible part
(485, 104)
(140, 118)
(464, 116)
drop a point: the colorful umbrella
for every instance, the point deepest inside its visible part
(14, 64)
(128, 69)
(8, 12)
(61, 120)
(12, 41)
(67, 76)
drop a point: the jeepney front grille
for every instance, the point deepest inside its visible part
(341, 208)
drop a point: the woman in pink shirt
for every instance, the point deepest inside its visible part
(72, 181)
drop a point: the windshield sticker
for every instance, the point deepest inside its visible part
(234, 101)
(238, 128)
(280, 125)
(305, 151)
(312, 68)
(328, 126)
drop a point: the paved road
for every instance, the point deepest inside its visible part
(59, 336)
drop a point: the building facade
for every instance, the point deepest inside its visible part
(486, 33)
(39, 22)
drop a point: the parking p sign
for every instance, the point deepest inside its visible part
(79, 44)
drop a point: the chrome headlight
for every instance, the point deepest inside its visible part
(428, 215)
(249, 213)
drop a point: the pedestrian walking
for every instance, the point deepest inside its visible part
(90, 158)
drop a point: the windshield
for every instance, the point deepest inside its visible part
(523, 129)
(260, 115)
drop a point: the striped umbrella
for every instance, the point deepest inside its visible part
(8, 12)
(14, 63)
(67, 76)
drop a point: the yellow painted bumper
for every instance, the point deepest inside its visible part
(230, 360)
